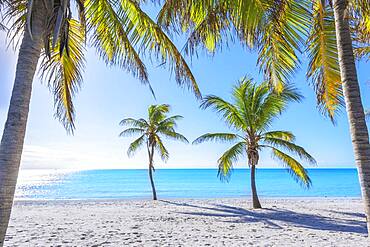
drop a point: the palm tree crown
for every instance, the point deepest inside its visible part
(250, 114)
(152, 129)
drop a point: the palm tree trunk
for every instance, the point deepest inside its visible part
(152, 183)
(151, 154)
(255, 200)
(352, 97)
(12, 140)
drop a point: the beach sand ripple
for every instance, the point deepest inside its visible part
(216, 222)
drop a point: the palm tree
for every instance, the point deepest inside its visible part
(56, 34)
(279, 31)
(151, 131)
(250, 115)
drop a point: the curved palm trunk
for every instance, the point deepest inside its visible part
(151, 154)
(352, 97)
(255, 200)
(252, 162)
(15, 127)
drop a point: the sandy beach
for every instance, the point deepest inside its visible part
(216, 222)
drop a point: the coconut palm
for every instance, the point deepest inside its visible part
(55, 34)
(151, 131)
(279, 31)
(250, 116)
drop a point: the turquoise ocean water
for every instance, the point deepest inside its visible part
(180, 183)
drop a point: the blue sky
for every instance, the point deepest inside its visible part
(110, 94)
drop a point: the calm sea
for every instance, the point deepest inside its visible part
(180, 183)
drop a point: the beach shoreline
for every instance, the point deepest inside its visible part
(188, 222)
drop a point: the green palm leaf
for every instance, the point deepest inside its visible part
(291, 147)
(279, 134)
(227, 160)
(294, 167)
(64, 74)
(141, 123)
(161, 149)
(111, 37)
(174, 135)
(131, 131)
(221, 137)
(281, 37)
(323, 66)
(226, 109)
(135, 145)
(150, 37)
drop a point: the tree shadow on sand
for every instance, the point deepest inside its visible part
(272, 217)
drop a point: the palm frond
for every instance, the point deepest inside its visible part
(173, 135)
(228, 111)
(111, 36)
(157, 113)
(132, 131)
(135, 145)
(323, 66)
(283, 135)
(293, 167)
(264, 105)
(227, 160)
(15, 17)
(291, 147)
(282, 36)
(150, 37)
(64, 74)
(361, 27)
(170, 122)
(212, 29)
(141, 123)
(222, 137)
(161, 149)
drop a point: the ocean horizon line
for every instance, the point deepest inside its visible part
(185, 168)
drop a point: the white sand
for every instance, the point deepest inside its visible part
(216, 222)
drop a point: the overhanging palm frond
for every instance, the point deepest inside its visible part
(64, 74)
(221, 137)
(361, 27)
(323, 67)
(150, 37)
(211, 30)
(111, 36)
(294, 167)
(15, 17)
(282, 36)
(227, 160)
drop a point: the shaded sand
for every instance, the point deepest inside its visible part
(216, 222)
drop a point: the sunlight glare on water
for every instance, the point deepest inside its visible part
(179, 183)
